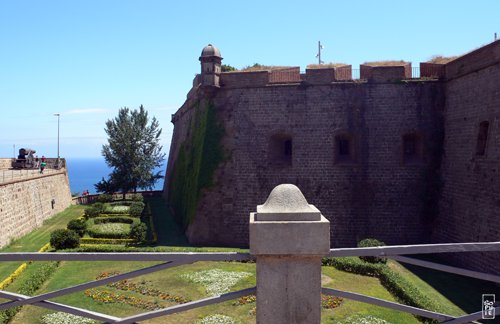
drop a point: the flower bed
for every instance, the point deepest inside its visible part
(117, 209)
(142, 289)
(216, 281)
(112, 227)
(109, 230)
(106, 296)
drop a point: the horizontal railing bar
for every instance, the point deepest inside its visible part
(469, 317)
(445, 268)
(62, 308)
(133, 256)
(92, 284)
(386, 304)
(416, 249)
(188, 306)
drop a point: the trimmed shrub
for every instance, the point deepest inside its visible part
(121, 203)
(77, 225)
(91, 212)
(138, 232)
(137, 197)
(403, 290)
(92, 240)
(354, 265)
(113, 219)
(114, 215)
(117, 209)
(64, 239)
(136, 208)
(369, 242)
(105, 198)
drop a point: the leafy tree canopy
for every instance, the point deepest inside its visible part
(227, 68)
(133, 151)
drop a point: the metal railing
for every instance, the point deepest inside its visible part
(21, 174)
(175, 259)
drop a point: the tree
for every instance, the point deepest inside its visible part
(227, 68)
(133, 151)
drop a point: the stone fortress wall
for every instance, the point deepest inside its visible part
(26, 202)
(387, 156)
(470, 195)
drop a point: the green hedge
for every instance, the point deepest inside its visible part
(113, 219)
(136, 208)
(371, 242)
(113, 215)
(404, 292)
(64, 239)
(92, 240)
(121, 203)
(117, 209)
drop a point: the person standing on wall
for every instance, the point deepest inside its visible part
(42, 165)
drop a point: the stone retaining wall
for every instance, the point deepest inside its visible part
(25, 204)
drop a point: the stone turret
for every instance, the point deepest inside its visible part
(210, 66)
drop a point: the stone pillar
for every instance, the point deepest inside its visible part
(288, 237)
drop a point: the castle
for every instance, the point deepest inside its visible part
(387, 156)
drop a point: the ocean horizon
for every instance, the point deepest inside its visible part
(84, 173)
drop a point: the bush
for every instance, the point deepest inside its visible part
(77, 225)
(113, 219)
(117, 209)
(91, 212)
(99, 206)
(369, 242)
(403, 290)
(138, 232)
(136, 208)
(92, 240)
(64, 239)
(354, 265)
(105, 198)
(137, 197)
(121, 203)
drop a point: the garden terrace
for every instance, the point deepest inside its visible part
(341, 258)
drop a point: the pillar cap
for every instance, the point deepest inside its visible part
(287, 203)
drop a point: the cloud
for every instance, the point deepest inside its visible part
(86, 111)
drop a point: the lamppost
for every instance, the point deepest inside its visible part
(58, 117)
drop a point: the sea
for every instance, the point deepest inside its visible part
(83, 173)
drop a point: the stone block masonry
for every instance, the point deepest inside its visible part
(403, 161)
(26, 203)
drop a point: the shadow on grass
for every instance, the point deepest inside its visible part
(465, 292)
(167, 230)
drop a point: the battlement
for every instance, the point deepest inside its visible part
(324, 75)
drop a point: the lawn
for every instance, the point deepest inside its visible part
(168, 287)
(33, 241)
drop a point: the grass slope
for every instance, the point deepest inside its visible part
(33, 241)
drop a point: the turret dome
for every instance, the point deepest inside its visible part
(210, 50)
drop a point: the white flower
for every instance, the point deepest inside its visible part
(367, 319)
(65, 318)
(216, 281)
(217, 319)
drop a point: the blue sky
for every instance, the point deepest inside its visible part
(86, 59)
